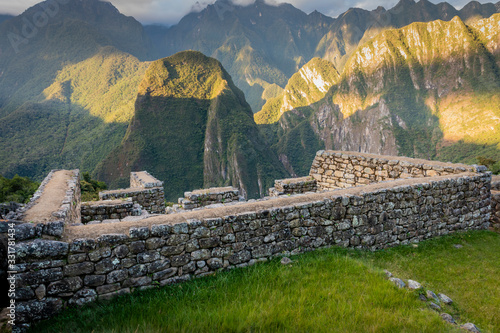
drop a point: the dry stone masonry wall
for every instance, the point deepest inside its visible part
(337, 169)
(26, 231)
(293, 186)
(495, 203)
(145, 190)
(495, 210)
(56, 273)
(210, 196)
(68, 212)
(144, 179)
(151, 199)
(108, 209)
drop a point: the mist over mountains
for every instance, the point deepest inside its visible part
(418, 79)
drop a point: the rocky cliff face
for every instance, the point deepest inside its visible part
(262, 44)
(444, 65)
(192, 128)
(67, 88)
(409, 91)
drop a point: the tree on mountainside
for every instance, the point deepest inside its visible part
(18, 189)
(90, 187)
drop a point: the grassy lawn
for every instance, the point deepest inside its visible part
(469, 275)
(330, 290)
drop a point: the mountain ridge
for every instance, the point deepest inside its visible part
(414, 86)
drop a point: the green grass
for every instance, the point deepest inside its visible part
(468, 275)
(330, 290)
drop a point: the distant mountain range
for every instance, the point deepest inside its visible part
(429, 90)
(74, 89)
(261, 45)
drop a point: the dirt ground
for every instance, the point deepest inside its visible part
(52, 198)
(213, 190)
(93, 231)
(146, 177)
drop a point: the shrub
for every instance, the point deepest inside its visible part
(90, 187)
(18, 189)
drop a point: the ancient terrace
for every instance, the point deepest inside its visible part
(70, 253)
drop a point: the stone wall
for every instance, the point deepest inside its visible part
(495, 183)
(108, 210)
(9, 207)
(144, 190)
(495, 210)
(144, 179)
(67, 214)
(495, 203)
(55, 274)
(151, 199)
(209, 196)
(337, 169)
(293, 186)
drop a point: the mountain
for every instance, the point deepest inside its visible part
(74, 122)
(263, 45)
(424, 90)
(309, 85)
(73, 32)
(357, 26)
(5, 17)
(259, 44)
(475, 10)
(192, 128)
(67, 86)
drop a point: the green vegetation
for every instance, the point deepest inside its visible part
(468, 275)
(90, 187)
(417, 138)
(77, 120)
(192, 128)
(268, 51)
(309, 85)
(299, 144)
(329, 290)
(438, 108)
(17, 189)
(67, 96)
(491, 164)
(469, 153)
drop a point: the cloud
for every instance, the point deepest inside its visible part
(171, 11)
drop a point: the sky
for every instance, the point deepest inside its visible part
(169, 12)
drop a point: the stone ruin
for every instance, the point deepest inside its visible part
(348, 199)
(211, 196)
(145, 196)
